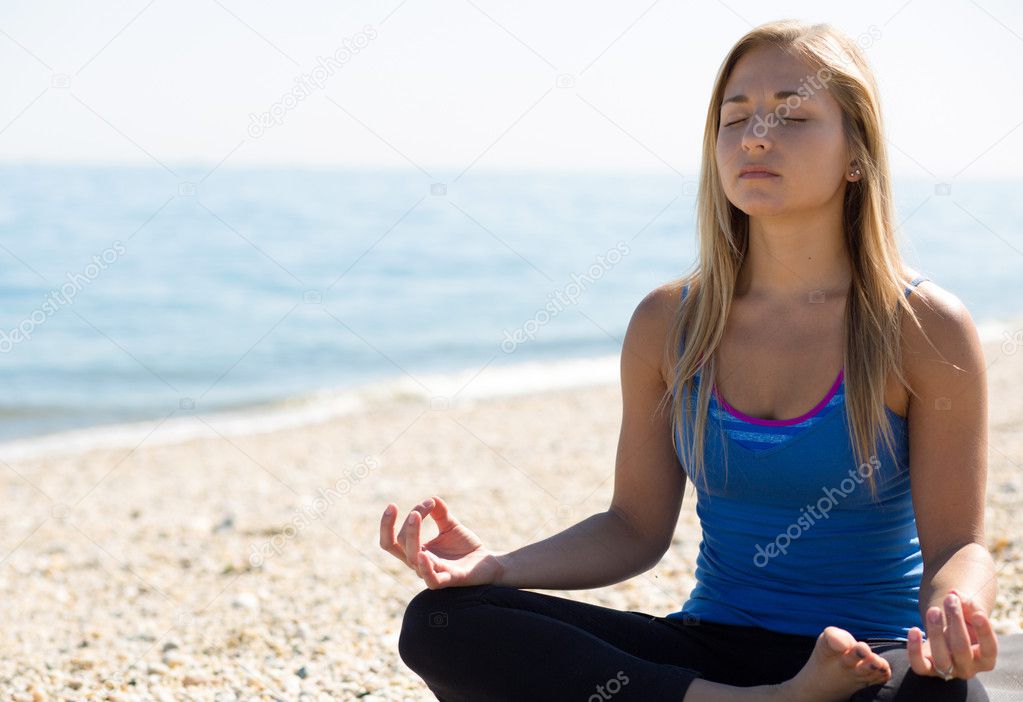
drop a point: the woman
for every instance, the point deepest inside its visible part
(827, 552)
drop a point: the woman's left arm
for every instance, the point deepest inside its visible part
(947, 421)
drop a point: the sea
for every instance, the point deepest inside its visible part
(133, 297)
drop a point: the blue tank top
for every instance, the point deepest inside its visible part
(791, 538)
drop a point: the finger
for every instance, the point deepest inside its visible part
(387, 527)
(423, 508)
(958, 637)
(411, 544)
(918, 650)
(397, 546)
(442, 577)
(940, 655)
(969, 607)
(988, 642)
(442, 515)
(387, 541)
(424, 568)
(432, 576)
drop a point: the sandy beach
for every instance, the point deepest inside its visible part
(247, 567)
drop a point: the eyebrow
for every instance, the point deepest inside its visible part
(780, 95)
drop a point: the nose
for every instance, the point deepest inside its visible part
(756, 134)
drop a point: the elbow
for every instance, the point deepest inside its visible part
(973, 550)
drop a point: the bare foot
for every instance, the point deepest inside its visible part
(835, 669)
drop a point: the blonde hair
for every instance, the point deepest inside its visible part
(877, 295)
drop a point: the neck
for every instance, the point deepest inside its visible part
(795, 258)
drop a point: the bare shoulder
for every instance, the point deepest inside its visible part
(661, 303)
(947, 324)
(650, 324)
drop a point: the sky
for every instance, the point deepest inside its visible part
(415, 84)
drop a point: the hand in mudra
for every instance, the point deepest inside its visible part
(454, 558)
(961, 643)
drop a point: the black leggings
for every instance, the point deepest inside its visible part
(492, 642)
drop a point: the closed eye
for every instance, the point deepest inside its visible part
(789, 119)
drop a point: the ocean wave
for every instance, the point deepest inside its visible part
(438, 390)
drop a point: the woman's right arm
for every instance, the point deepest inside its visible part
(634, 533)
(598, 551)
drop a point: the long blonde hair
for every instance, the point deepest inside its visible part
(879, 276)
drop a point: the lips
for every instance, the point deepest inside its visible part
(758, 174)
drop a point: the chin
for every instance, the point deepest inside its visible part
(760, 207)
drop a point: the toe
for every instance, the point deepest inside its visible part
(879, 677)
(838, 640)
(867, 667)
(876, 666)
(868, 675)
(879, 662)
(858, 653)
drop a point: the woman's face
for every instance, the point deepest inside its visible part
(799, 137)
